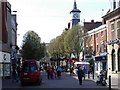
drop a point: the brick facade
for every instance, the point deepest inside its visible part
(112, 19)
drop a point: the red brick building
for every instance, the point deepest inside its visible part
(97, 47)
(112, 20)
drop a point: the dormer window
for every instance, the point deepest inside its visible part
(114, 4)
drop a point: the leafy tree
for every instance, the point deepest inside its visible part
(51, 48)
(71, 41)
(74, 40)
(32, 47)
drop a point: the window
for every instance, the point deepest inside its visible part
(26, 67)
(118, 29)
(91, 37)
(112, 26)
(112, 31)
(101, 33)
(97, 66)
(96, 35)
(33, 67)
(114, 4)
(102, 46)
(97, 48)
(1, 69)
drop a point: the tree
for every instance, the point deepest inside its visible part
(56, 47)
(32, 47)
(74, 40)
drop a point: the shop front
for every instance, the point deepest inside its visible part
(100, 63)
(5, 64)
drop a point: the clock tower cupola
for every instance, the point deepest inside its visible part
(75, 14)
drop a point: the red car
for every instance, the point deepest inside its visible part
(30, 72)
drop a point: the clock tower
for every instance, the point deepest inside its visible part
(75, 14)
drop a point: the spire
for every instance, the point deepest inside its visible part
(75, 8)
(75, 5)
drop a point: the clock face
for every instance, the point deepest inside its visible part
(75, 16)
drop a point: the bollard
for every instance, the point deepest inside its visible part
(109, 82)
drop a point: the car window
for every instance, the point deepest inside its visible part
(26, 67)
(33, 67)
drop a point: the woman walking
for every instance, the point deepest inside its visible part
(80, 75)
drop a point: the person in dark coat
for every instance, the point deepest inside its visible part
(80, 75)
(71, 71)
(48, 72)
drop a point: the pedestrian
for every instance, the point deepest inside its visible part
(14, 73)
(59, 70)
(18, 72)
(80, 74)
(84, 72)
(105, 74)
(55, 72)
(51, 73)
(89, 74)
(48, 73)
(71, 71)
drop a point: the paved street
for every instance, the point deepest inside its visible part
(66, 81)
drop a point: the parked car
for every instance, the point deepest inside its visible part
(30, 72)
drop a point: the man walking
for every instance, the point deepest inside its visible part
(80, 74)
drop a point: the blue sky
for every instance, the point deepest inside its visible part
(48, 18)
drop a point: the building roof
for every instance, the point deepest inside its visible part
(98, 29)
(91, 25)
(112, 14)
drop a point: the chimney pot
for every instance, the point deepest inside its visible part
(92, 20)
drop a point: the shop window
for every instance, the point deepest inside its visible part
(1, 69)
(113, 60)
(96, 66)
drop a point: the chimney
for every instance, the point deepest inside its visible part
(69, 25)
(92, 21)
(103, 21)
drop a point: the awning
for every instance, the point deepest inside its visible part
(87, 59)
(81, 63)
(101, 58)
